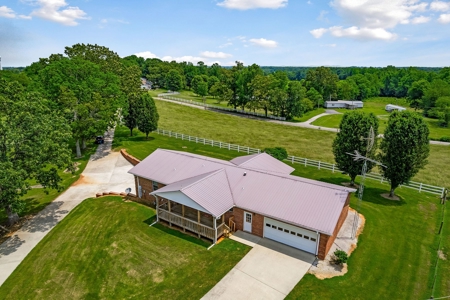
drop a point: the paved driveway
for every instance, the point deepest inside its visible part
(106, 171)
(269, 271)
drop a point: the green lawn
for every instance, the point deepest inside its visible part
(105, 249)
(37, 199)
(396, 253)
(377, 105)
(301, 142)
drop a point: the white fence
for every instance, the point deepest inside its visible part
(421, 187)
(209, 106)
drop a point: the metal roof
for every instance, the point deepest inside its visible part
(217, 185)
(262, 162)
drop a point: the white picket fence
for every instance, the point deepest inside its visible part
(209, 106)
(418, 186)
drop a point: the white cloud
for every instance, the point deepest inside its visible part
(322, 15)
(210, 54)
(146, 54)
(444, 18)
(362, 33)
(420, 20)
(264, 43)
(317, 33)
(440, 6)
(186, 58)
(7, 12)
(59, 11)
(226, 45)
(371, 19)
(252, 4)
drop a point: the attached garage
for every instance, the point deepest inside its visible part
(293, 236)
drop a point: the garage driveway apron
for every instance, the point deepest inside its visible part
(269, 271)
(106, 171)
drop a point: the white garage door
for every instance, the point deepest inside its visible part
(293, 236)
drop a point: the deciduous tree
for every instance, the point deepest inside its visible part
(405, 148)
(354, 127)
(148, 116)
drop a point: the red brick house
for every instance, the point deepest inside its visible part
(201, 194)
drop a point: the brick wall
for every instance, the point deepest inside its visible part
(147, 188)
(257, 221)
(130, 158)
(327, 241)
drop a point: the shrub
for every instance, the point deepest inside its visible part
(340, 257)
(307, 104)
(445, 139)
(277, 152)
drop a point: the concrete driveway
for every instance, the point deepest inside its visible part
(269, 271)
(106, 171)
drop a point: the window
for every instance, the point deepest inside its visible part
(313, 239)
(299, 235)
(248, 218)
(155, 185)
(267, 224)
(286, 230)
(293, 233)
(306, 237)
(280, 229)
(274, 227)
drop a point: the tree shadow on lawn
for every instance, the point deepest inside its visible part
(371, 194)
(178, 234)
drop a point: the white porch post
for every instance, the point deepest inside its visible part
(157, 207)
(215, 229)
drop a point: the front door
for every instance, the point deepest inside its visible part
(247, 221)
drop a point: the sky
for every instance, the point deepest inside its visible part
(266, 32)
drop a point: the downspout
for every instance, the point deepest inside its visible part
(318, 242)
(139, 194)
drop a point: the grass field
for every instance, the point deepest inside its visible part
(105, 249)
(37, 199)
(397, 248)
(302, 142)
(377, 105)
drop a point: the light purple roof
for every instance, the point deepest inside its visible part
(209, 190)
(217, 185)
(262, 162)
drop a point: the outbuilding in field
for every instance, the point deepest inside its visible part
(392, 107)
(348, 104)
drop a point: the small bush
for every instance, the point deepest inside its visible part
(340, 257)
(445, 139)
(277, 152)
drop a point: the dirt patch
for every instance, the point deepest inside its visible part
(441, 255)
(83, 180)
(158, 276)
(350, 185)
(386, 196)
(326, 268)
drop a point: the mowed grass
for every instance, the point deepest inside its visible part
(377, 106)
(36, 199)
(105, 249)
(301, 142)
(396, 253)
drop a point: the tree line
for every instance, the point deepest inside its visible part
(57, 105)
(278, 91)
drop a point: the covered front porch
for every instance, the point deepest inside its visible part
(190, 219)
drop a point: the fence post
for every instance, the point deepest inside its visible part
(220, 144)
(228, 146)
(238, 148)
(319, 164)
(292, 159)
(204, 142)
(333, 168)
(248, 150)
(420, 187)
(170, 133)
(305, 161)
(182, 136)
(381, 179)
(259, 151)
(196, 140)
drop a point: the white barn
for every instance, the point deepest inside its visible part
(349, 104)
(392, 107)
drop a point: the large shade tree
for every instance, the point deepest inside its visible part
(33, 146)
(405, 148)
(354, 128)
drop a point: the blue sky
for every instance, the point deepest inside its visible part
(266, 32)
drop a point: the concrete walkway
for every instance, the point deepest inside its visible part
(106, 171)
(269, 271)
(306, 124)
